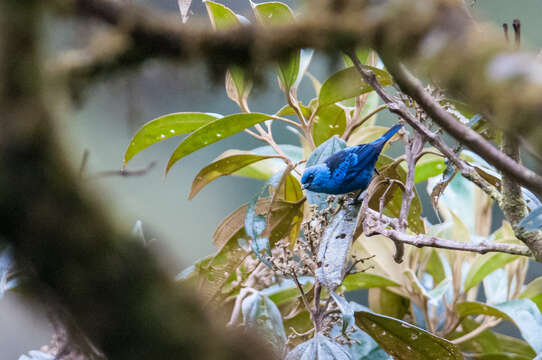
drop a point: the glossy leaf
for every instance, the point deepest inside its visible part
(232, 227)
(238, 86)
(363, 280)
(533, 221)
(485, 265)
(221, 16)
(262, 315)
(213, 132)
(319, 347)
(435, 267)
(468, 308)
(224, 166)
(165, 127)
(533, 291)
(329, 121)
(292, 67)
(364, 135)
(516, 346)
(429, 165)
(347, 84)
(405, 341)
(319, 155)
(288, 110)
(264, 169)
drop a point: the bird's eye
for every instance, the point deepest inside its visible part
(310, 178)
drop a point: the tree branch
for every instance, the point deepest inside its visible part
(116, 291)
(463, 134)
(396, 106)
(378, 224)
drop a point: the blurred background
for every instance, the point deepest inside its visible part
(112, 111)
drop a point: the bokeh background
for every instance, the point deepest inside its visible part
(113, 109)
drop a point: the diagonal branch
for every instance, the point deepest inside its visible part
(463, 134)
(396, 106)
(378, 224)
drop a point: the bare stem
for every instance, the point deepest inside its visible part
(354, 125)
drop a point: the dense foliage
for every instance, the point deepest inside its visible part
(286, 260)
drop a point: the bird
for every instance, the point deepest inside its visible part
(348, 170)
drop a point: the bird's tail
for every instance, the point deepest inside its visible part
(388, 135)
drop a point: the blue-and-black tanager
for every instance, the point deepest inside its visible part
(348, 170)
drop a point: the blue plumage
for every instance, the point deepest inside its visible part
(348, 170)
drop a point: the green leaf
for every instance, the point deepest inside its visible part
(364, 135)
(388, 303)
(348, 83)
(221, 16)
(213, 132)
(533, 291)
(485, 342)
(329, 121)
(319, 347)
(361, 53)
(522, 312)
(264, 169)
(435, 267)
(292, 67)
(238, 86)
(514, 345)
(364, 280)
(224, 166)
(262, 315)
(301, 322)
(499, 356)
(428, 165)
(403, 340)
(273, 13)
(468, 308)
(163, 128)
(485, 265)
(288, 110)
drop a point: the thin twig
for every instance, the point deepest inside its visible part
(389, 229)
(488, 324)
(303, 295)
(351, 128)
(463, 134)
(399, 108)
(122, 172)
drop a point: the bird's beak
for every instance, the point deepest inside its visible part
(303, 186)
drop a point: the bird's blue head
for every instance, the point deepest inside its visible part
(316, 178)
